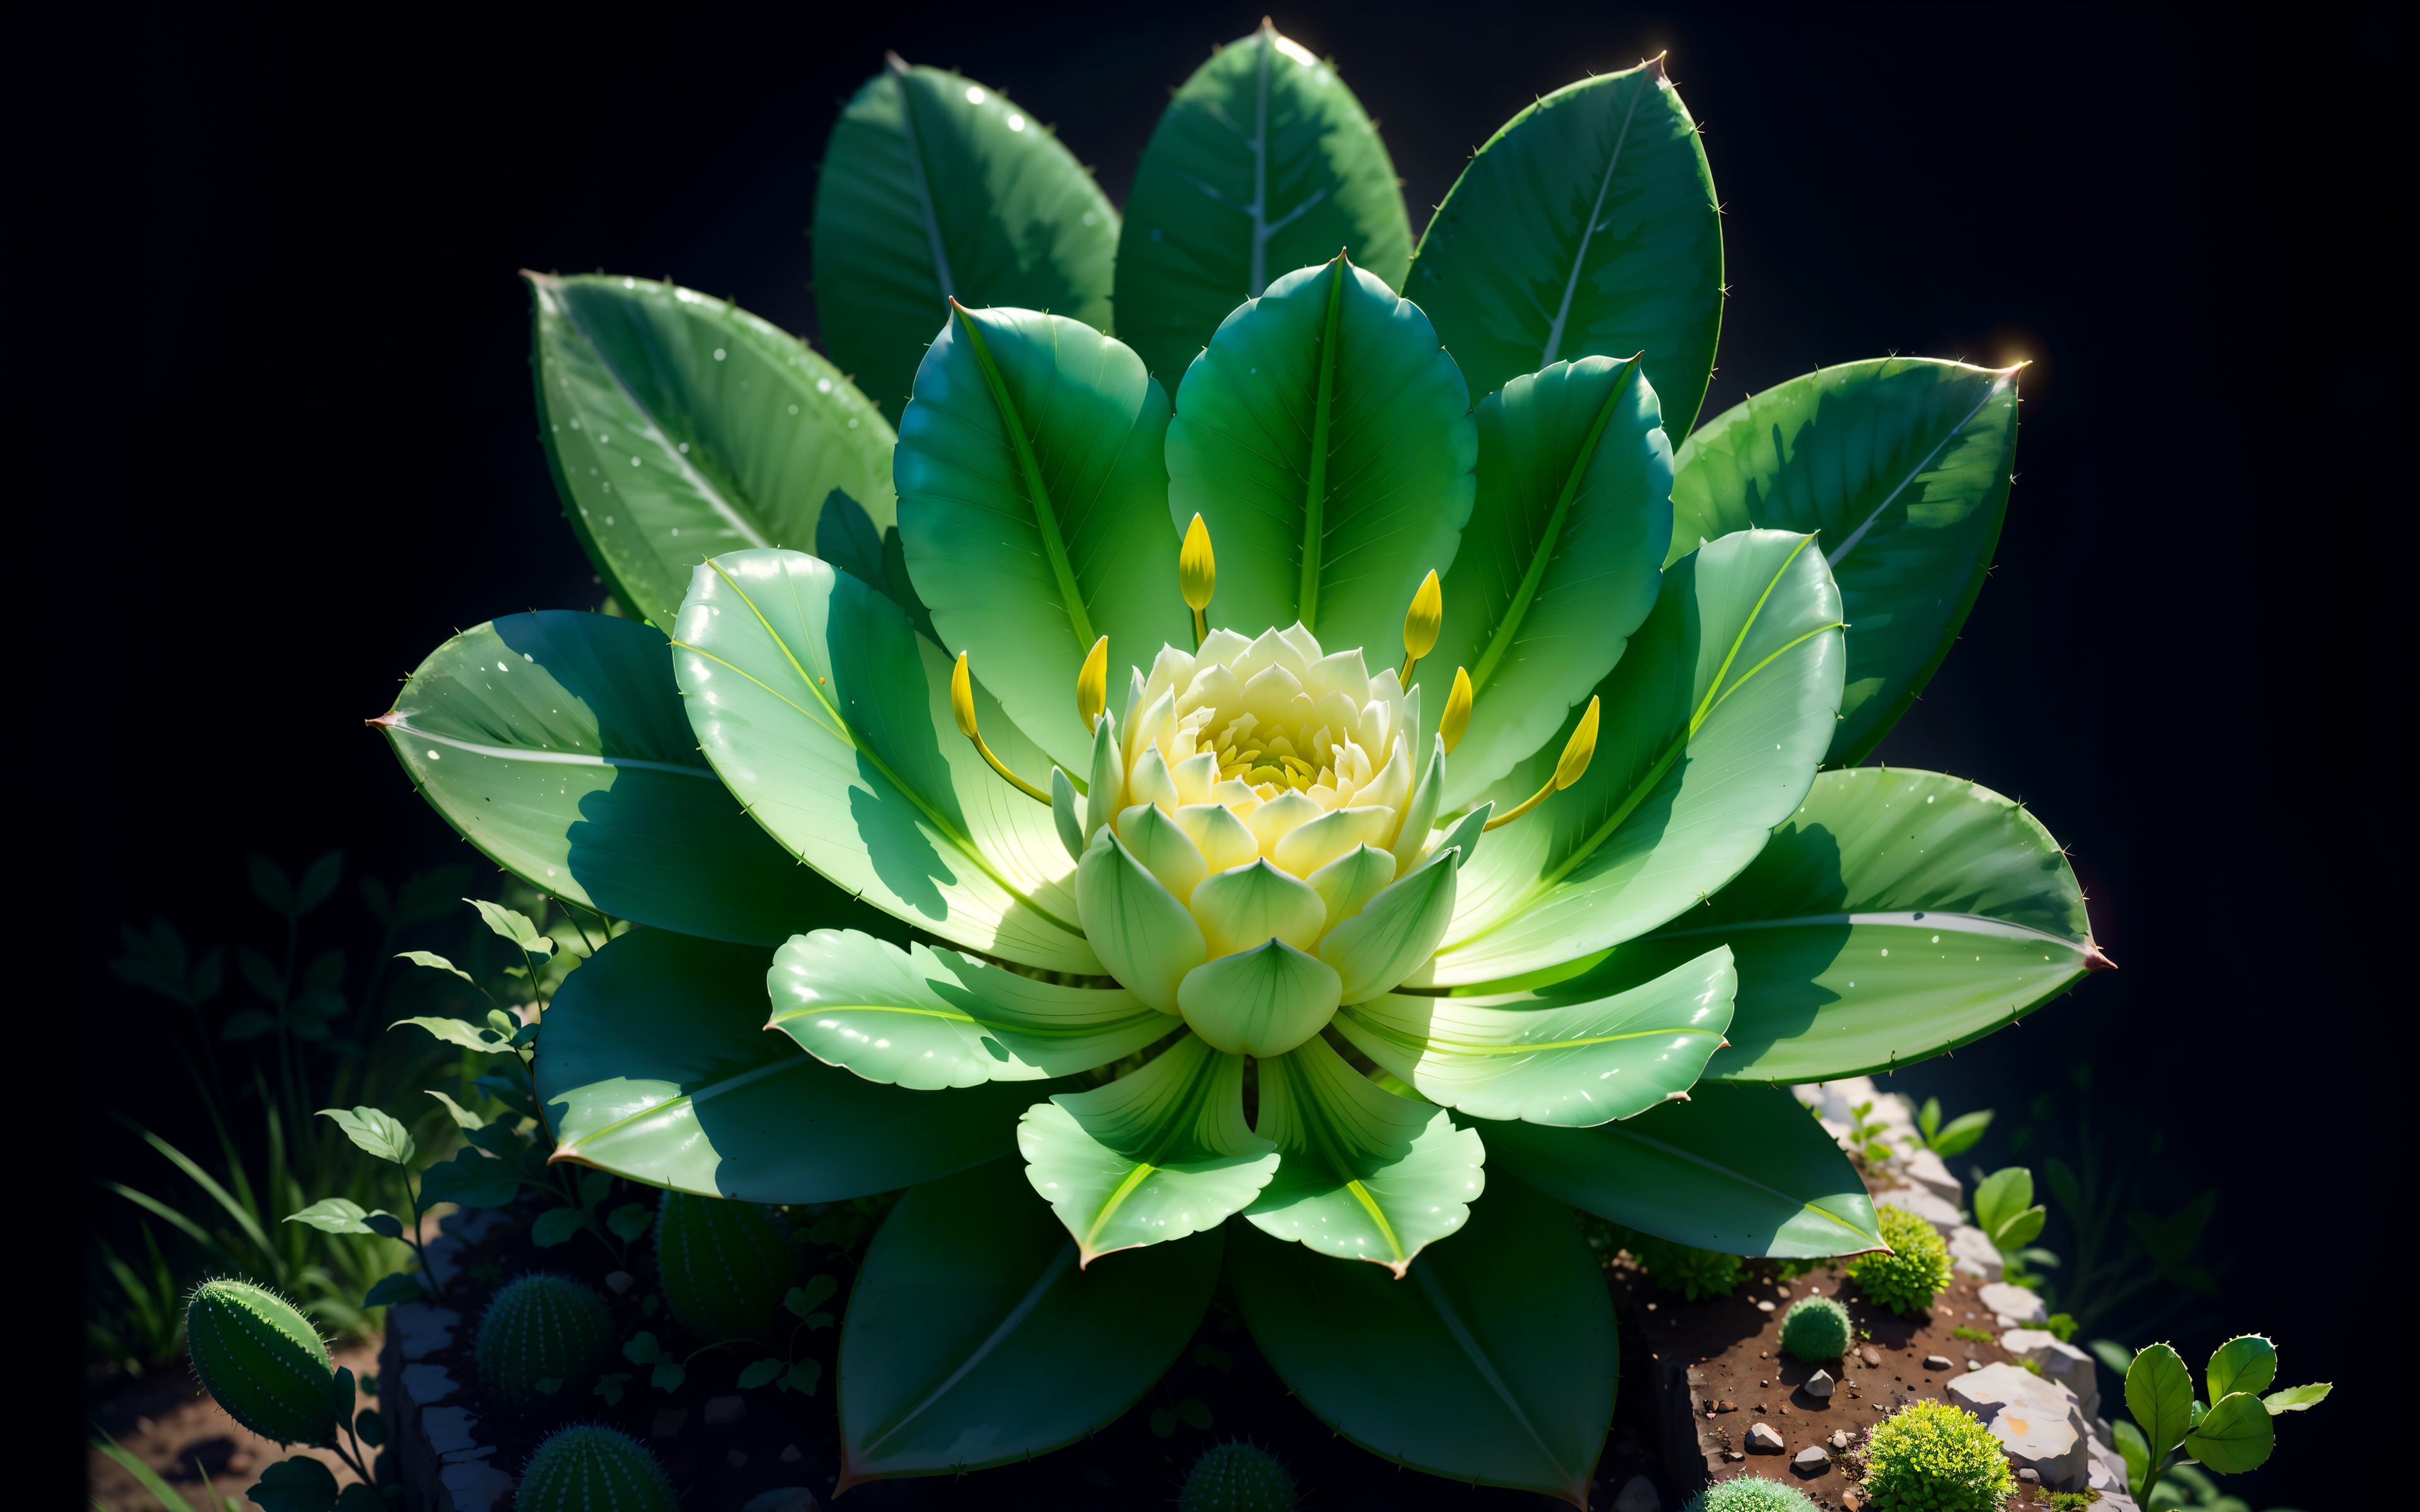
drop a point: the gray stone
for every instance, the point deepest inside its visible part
(790, 1455)
(1840, 1439)
(1638, 1494)
(2037, 1422)
(669, 1421)
(1942, 1215)
(425, 1383)
(2014, 1305)
(1813, 1460)
(449, 1429)
(1762, 1439)
(1939, 1363)
(475, 1485)
(2060, 1361)
(721, 1409)
(1924, 1169)
(788, 1498)
(422, 1328)
(1972, 1253)
(1820, 1383)
(620, 1282)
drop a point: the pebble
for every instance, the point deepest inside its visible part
(735, 1459)
(1939, 1363)
(620, 1282)
(1813, 1460)
(1638, 1495)
(1764, 1306)
(790, 1455)
(721, 1409)
(1840, 1439)
(1871, 1355)
(2029, 1476)
(669, 1421)
(1972, 1363)
(1733, 1454)
(1820, 1383)
(1763, 1439)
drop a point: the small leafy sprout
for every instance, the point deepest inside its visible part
(1192, 1412)
(2230, 1433)
(1865, 1141)
(1957, 1137)
(2005, 1211)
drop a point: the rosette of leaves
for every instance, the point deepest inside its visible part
(2229, 1431)
(1268, 698)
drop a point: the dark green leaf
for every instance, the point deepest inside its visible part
(369, 1427)
(2237, 1434)
(803, 1377)
(2159, 1393)
(1494, 1361)
(655, 1066)
(630, 1221)
(557, 744)
(644, 1348)
(360, 1498)
(391, 1290)
(247, 1023)
(759, 1373)
(1735, 1169)
(971, 1296)
(318, 883)
(1264, 163)
(260, 976)
(680, 426)
(558, 1225)
(1585, 226)
(300, 1484)
(609, 1386)
(1902, 465)
(471, 1179)
(269, 884)
(937, 188)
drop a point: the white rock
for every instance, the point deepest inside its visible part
(1762, 1439)
(1840, 1439)
(1811, 1460)
(721, 1409)
(2014, 1305)
(2037, 1422)
(1924, 1169)
(2060, 1361)
(1638, 1494)
(475, 1485)
(1972, 1253)
(1820, 1383)
(1942, 1215)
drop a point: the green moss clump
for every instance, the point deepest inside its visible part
(1815, 1328)
(725, 1268)
(1931, 1456)
(262, 1360)
(1237, 1476)
(543, 1333)
(587, 1468)
(1750, 1493)
(1916, 1271)
(1691, 1272)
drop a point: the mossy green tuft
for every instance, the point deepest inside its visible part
(1815, 1328)
(262, 1361)
(1750, 1493)
(542, 1334)
(1237, 1476)
(588, 1467)
(1915, 1271)
(725, 1268)
(1691, 1271)
(1931, 1456)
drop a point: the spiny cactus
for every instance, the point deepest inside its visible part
(1237, 1476)
(1750, 1493)
(540, 1327)
(1938, 1458)
(1916, 1271)
(588, 1467)
(1815, 1328)
(725, 1269)
(262, 1361)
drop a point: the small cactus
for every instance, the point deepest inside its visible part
(588, 1467)
(725, 1269)
(262, 1361)
(1750, 1493)
(1237, 1476)
(1912, 1273)
(1815, 1328)
(540, 1327)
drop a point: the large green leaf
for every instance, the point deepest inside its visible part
(2237, 1434)
(556, 743)
(1033, 508)
(1896, 915)
(974, 1336)
(1560, 562)
(1154, 1156)
(680, 426)
(929, 1019)
(1740, 1169)
(1587, 226)
(830, 716)
(936, 188)
(1493, 1361)
(2160, 1395)
(1264, 163)
(1572, 1059)
(1712, 726)
(654, 1064)
(1326, 440)
(1902, 464)
(1366, 1174)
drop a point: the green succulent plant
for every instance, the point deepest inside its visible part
(1237, 1476)
(725, 1269)
(1908, 1275)
(541, 1333)
(1815, 1328)
(1936, 1457)
(261, 1360)
(1341, 688)
(1750, 1493)
(590, 1467)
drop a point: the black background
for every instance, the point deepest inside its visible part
(284, 446)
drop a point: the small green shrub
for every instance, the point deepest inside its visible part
(262, 1360)
(1815, 1328)
(587, 1468)
(1750, 1493)
(1916, 1271)
(725, 1268)
(1972, 1336)
(1691, 1272)
(1237, 1476)
(542, 1332)
(1936, 1457)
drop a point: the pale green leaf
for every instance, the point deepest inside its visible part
(2247, 1363)
(334, 1215)
(379, 1134)
(2159, 1393)
(2237, 1434)
(513, 926)
(434, 961)
(454, 1031)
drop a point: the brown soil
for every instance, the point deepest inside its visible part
(170, 1424)
(1719, 1370)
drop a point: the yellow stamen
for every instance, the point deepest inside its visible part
(1093, 684)
(1422, 623)
(962, 704)
(1457, 710)
(1196, 575)
(1578, 752)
